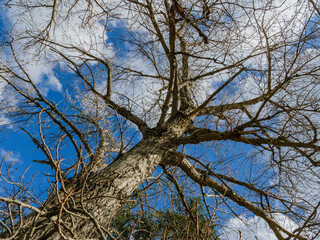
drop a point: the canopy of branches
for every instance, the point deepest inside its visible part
(200, 116)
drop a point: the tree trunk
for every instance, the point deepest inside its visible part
(87, 206)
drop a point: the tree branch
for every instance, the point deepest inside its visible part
(192, 172)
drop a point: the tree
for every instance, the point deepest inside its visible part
(172, 223)
(133, 85)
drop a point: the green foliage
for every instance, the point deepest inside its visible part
(172, 222)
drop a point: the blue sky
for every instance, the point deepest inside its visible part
(14, 140)
(55, 80)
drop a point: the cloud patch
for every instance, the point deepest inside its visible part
(253, 228)
(9, 156)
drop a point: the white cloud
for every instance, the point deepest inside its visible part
(253, 228)
(77, 26)
(273, 21)
(299, 183)
(9, 156)
(7, 103)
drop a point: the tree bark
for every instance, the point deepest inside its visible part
(88, 204)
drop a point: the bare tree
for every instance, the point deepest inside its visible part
(132, 85)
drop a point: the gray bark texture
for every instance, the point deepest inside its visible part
(88, 205)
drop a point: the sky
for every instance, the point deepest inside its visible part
(16, 146)
(92, 36)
